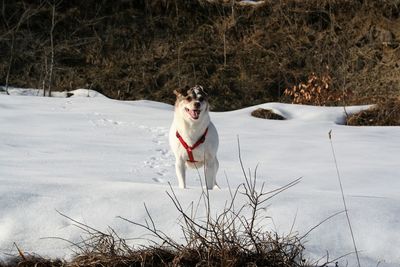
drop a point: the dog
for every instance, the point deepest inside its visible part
(193, 137)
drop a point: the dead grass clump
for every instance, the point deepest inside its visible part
(33, 261)
(385, 113)
(140, 257)
(234, 237)
(266, 114)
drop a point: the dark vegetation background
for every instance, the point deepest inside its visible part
(244, 55)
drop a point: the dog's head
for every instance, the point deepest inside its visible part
(191, 102)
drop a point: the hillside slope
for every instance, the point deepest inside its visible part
(245, 54)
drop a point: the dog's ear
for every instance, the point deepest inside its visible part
(203, 91)
(182, 92)
(177, 93)
(185, 90)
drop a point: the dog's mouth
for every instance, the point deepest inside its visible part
(193, 113)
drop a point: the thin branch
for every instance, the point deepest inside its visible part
(154, 231)
(241, 163)
(343, 199)
(79, 223)
(323, 221)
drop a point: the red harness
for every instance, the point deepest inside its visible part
(188, 148)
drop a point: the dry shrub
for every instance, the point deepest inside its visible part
(316, 91)
(266, 114)
(385, 113)
(233, 237)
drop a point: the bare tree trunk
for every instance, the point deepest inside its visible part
(45, 74)
(224, 46)
(3, 12)
(11, 60)
(179, 66)
(51, 49)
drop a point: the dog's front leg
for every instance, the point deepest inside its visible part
(211, 172)
(180, 168)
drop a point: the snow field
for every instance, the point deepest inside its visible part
(94, 159)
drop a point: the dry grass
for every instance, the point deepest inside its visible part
(385, 113)
(231, 238)
(146, 49)
(33, 261)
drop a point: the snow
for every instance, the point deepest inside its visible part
(251, 2)
(241, 2)
(94, 158)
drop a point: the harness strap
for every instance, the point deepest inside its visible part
(188, 148)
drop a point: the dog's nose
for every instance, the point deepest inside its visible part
(197, 104)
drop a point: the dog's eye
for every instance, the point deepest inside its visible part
(201, 99)
(189, 98)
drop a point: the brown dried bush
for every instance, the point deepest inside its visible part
(316, 91)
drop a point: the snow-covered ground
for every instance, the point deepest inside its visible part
(93, 159)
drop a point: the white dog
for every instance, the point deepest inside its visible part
(193, 137)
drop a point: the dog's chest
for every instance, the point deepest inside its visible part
(192, 152)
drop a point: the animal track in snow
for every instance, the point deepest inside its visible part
(162, 172)
(106, 122)
(161, 160)
(97, 119)
(158, 180)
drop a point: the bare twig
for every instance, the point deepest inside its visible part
(21, 254)
(320, 223)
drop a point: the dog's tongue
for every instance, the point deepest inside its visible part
(194, 114)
